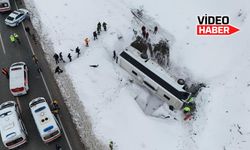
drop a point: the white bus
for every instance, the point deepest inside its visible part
(4, 5)
(153, 77)
(13, 132)
(47, 124)
(19, 79)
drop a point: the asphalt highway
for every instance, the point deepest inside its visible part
(40, 83)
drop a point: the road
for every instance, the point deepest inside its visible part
(40, 84)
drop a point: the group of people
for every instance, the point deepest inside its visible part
(15, 38)
(97, 32)
(59, 58)
(145, 33)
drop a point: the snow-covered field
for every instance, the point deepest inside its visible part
(107, 97)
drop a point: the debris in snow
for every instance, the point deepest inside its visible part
(94, 66)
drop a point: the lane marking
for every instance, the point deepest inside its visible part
(19, 105)
(45, 84)
(3, 47)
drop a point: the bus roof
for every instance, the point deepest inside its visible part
(44, 119)
(154, 72)
(9, 124)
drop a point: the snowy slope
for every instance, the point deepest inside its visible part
(223, 63)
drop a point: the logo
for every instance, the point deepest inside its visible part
(215, 25)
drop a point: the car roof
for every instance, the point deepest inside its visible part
(17, 75)
(14, 13)
(41, 111)
(9, 124)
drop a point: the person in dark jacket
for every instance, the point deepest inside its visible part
(143, 29)
(27, 29)
(61, 57)
(95, 35)
(56, 57)
(114, 55)
(155, 29)
(58, 70)
(99, 27)
(104, 25)
(70, 57)
(78, 51)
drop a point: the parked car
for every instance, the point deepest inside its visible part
(12, 129)
(16, 17)
(18, 79)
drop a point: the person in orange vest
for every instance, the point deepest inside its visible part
(86, 42)
(5, 72)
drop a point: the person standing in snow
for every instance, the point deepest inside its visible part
(99, 27)
(58, 70)
(111, 145)
(98, 31)
(70, 57)
(104, 24)
(78, 51)
(95, 35)
(143, 29)
(86, 40)
(56, 57)
(114, 55)
(61, 57)
(155, 29)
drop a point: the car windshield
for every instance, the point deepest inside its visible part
(7, 105)
(16, 12)
(20, 11)
(10, 18)
(37, 102)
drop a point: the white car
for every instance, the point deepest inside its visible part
(16, 17)
(19, 79)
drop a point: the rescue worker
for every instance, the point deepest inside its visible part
(70, 57)
(186, 110)
(78, 51)
(58, 70)
(86, 40)
(143, 29)
(61, 57)
(12, 39)
(56, 57)
(155, 29)
(5, 72)
(95, 35)
(99, 27)
(111, 145)
(27, 29)
(114, 55)
(104, 25)
(55, 108)
(16, 36)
